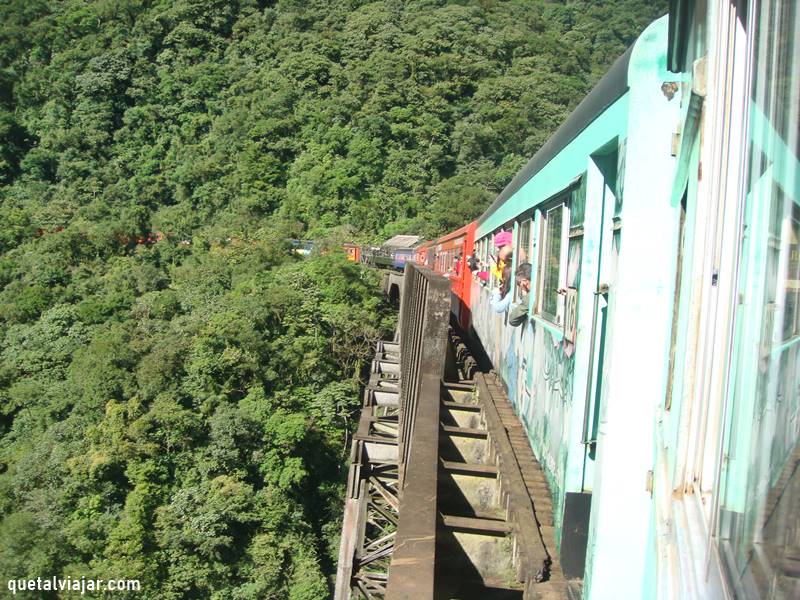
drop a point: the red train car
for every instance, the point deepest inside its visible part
(422, 252)
(448, 255)
(353, 252)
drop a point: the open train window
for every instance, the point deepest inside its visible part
(482, 253)
(524, 241)
(522, 253)
(553, 261)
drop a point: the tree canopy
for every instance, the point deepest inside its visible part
(123, 114)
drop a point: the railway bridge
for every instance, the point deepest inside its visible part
(392, 284)
(444, 497)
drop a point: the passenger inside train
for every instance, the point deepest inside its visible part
(473, 262)
(502, 242)
(502, 296)
(519, 313)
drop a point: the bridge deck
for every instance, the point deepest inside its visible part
(493, 535)
(445, 499)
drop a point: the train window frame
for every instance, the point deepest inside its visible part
(789, 266)
(482, 258)
(524, 226)
(546, 215)
(494, 283)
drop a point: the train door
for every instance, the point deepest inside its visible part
(594, 237)
(601, 180)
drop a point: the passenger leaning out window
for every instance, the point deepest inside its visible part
(519, 312)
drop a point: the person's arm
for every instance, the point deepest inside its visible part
(498, 304)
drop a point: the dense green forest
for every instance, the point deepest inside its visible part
(176, 387)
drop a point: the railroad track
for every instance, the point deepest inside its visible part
(445, 500)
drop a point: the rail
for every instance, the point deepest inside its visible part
(388, 544)
(424, 319)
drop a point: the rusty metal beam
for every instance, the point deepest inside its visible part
(425, 309)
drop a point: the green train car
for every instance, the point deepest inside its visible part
(658, 372)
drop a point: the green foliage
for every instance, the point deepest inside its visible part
(328, 113)
(194, 436)
(176, 388)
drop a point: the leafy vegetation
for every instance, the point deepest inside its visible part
(184, 423)
(175, 387)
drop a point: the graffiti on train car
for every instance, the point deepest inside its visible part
(557, 368)
(550, 381)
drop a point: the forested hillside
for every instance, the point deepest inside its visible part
(175, 385)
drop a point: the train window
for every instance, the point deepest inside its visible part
(759, 491)
(552, 267)
(524, 241)
(791, 285)
(522, 249)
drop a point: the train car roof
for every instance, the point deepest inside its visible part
(460, 231)
(402, 241)
(608, 90)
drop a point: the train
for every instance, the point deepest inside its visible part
(657, 374)
(448, 255)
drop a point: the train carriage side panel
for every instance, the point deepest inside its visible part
(534, 355)
(448, 257)
(563, 206)
(400, 256)
(640, 311)
(465, 276)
